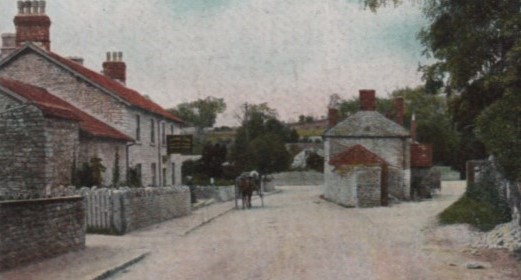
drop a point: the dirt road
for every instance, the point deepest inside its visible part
(299, 236)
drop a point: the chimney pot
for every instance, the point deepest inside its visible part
(42, 7)
(367, 100)
(27, 7)
(20, 7)
(108, 56)
(120, 56)
(35, 7)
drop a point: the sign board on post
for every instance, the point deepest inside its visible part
(179, 144)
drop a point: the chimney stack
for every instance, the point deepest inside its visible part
(32, 24)
(8, 44)
(413, 127)
(114, 67)
(333, 116)
(399, 110)
(367, 100)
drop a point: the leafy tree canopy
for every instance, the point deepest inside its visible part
(202, 112)
(476, 45)
(260, 140)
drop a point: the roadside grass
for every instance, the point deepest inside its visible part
(480, 214)
(482, 206)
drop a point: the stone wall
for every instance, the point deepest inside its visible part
(369, 186)
(354, 186)
(477, 171)
(220, 194)
(145, 207)
(105, 150)
(61, 144)
(22, 150)
(33, 230)
(425, 182)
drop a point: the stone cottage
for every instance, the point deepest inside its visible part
(42, 137)
(367, 157)
(104, 96)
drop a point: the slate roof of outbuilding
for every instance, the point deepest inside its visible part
(367, 124)
(54, 107)
(129, 95)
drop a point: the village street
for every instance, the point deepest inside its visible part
(297, 235)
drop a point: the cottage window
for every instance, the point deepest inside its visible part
(152, 131)
(164, 177)
(153, 173)
(173, 174)
(163, 134)
(138, 128)
(172, 129)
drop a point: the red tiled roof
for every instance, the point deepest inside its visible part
(55, 107)
(356, 155)
(131, 96)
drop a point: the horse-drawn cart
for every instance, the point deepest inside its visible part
(245, 185)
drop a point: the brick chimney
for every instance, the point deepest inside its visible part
(399, 110)
(114, 67)
(8, 44)
(32, 24)
(333, 115)
(367, 100)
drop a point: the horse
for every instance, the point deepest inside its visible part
(245, 184)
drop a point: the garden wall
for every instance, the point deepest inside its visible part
(32, 230)
(124, 210)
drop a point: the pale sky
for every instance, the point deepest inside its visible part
(292, 54)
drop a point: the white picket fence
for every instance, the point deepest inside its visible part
(100, 208)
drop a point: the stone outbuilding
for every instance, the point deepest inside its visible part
(367, 157)
(42, 137)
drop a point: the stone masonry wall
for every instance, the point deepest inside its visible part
(477, 171)
(145, 207)
(33, 230)
(61, 143)
(369, 186)
(22, 150)
(106, 151)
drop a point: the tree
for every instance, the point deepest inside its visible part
(213, 156)
(433, 123)
(351, 106)
(202, 112)
(475, 44)
(259, 143)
